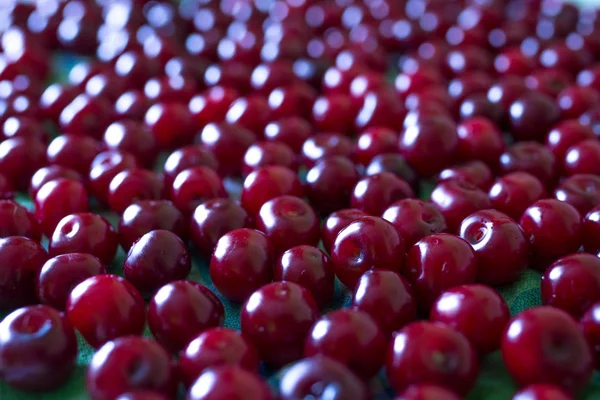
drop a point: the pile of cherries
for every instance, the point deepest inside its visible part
(335, 115)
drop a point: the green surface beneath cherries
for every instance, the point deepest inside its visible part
(493, 383)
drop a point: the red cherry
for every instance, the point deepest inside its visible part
(212, 105)
(590, 325)
(330, 113)
(323, 145)
(476, 173)
(337, 221)
(104, 168)
(479, 139)
(456, 199)
(530, 157)
(414, 219)
(119, 309)
(545, 345)
(194, 186)
(293, 131)
(575, 100)
(215, 347)
(410, 353)
(542, 391)
(16, 220)
(295, 100)
(129, 364)
(566, 134)
(330, 183)
(506, 91)
(132, 185)
(241, 263)
(132, 105)
(289, 311)
(229, 382)
(514, 192)
(267, 153)
(55, 98)
(374, 193)
(251, 112)
(582, 191)
(57, 199)
(171, 124)
(380, 108)
(49, 173)
(38, 349)
(180, 310)
(73, 151)
(581, 158)
(133, 137)
(396, 164)
(532, 116)
(267, 183)
(437, 263)
(20, 158)
(425, 391)
(187, 157)
(86, 115)
(591, 229)
(367, 243)
(228, 142)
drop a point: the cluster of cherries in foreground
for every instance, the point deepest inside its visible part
(497, 102)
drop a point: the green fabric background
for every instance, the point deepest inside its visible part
(493, 383)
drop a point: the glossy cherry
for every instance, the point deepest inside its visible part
(426, 391)
(262, 154)
(530, 157)
(119, 309)
(171, 124)
(133, 105)
(16, 220)
(456, 199)
(38, 349)
(293, 131)
(414, 219)
(132, 185)
(396, 164)
(194, 186)
(591, 229)
(477, 173)
(228, 142)
(590, 325)
(582, 191)
(51, 172)
(86, 115)
(337, 221)
(289, 311)
(133, 137)
(542, 391)
(374, 193)
(514, 192)
(479, 139)
(566, 134)
(187, 157)
(323, 145)
(20, 158)
(329, 184)
(581, 158)
(212, 105)
(575, 100)
(57, 199)
(532, 116)
(229, 382)
(267, 183)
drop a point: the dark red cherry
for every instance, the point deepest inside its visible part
(478, 105)
(542, 391)
(329, 184)
(456, 199)
(367, 243)
(187, 157)
(51, 172)
(119, 309)
(591, 231)
(590, 325)
(582, 158)
(24, 126)
(582, 191)
(575, 100)
(374, 193)
(554, 229)
(294, 100)
(433, 353)
(293, 131)
(426, 391)
(130, 364)
(73, 151)
(477, 173)
(54, 99)
(228, 142)
(380, 109)
(60, 274)
(337, 221)
(468, 307)
(104, 168)
(566, 134)
(330, 113)
(396, 164)
(132, 105)
(86, 115)
(38, 349)
(20, 158)
(242, 262)
(171, 124)
(16, 220)
(276, 319)
(262, 154)
(479, 139)
(194, 186)
(532, 116)
(170, 88)
(267, 183)
(506, 91)
(57, 199)
(229, 382)
(514, 192)
(133, 137)
(250, 112)
(549, 81)
(180, 310)
(501, 247)
(84, 233)
(323, 145)
(414, 219)
(437, 263)
(212, 105)
(531, 157)
(132, 185)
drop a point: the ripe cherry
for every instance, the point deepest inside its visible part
(374, 193)
(414, 219)
(542, 391)
(581, 158)
(337, 221)
(513, 193)
(20, 158)
(532, 116)
(267, 183)
(582, 191)
(194, 186)
(132, 185)
(104, 168)
(187, 157)
(329, 184)
(16, 220)
(51, 172)
(57, 199)
(456, 199)
(426, 391)
(229, 382)
(590, 325)
(133, 137)
(228, 142)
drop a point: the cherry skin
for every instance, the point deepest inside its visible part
(321, 376)
(55, 98)
(132, 185)
(129, 364)
(133, 137)
(119, 309)
(148, 215)
(133, 105)
(575, 100)
(84, 233)
(229, 382)
(241, 263)
(187, 157)
(571, 283)
(215, 347)
(329, 184)
(549, 81)
(289, 311)
(288, 221)
(180, 310)
(425, 391)
(582, 191)
(267, 183)
(513, 193)
(38, 349)
(329, 113)
(73, 151)
(542, 391)
(437, 263)
(194, 186)
(374, 193)
(16, 220)
(171, 124)
(337, 221)
(156, 259)
(20, 158)
(86, 115)
(468, 307)
(262, 154)
(477, 173)
(414, 219)
(367, 243)
(104, 168)
(293, 131)
(532, 116)
(291, 101)
(531, 157)
(351, 337)
(566, 134)
(554, 229)
(51, 172)
(590, 325)
(229, 143)
(456, 199)
(581, 158)
(545, 345)
(591, 229)
(323, 145)
(479, 139)
(251, 112)
(309, 267)
(501, 247)
(143, 395)
(60, 274)
(431, 353)
(396, 164)
(212, 105)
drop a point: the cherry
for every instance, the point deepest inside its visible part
(293, 131)
(38, 348)
(433, 353)
(142, 395)
(439, 262)
(16, 220)
(337, 221)
(84, 233)
(396, 164)
(380, 109)
(195, 185)
(501, 247)
(414, 219)
(430, 145)
(73, 151)
(20, 158)
(132, 185)
(104, 168)
(330, 183)
(167, 89)
(187, 157)
(549, 81)
(228, 142)
(374, 193)
(241, 263)
(542, 391)
(180, 310)
(513, 193)
(267, 183)
(135, 67)
(367, 243)
(414, 81)
(293, 100)
(289, 311)
(57, 199)
(590, 325)
(456, 199)
(531, 157)
(477, 173)
(130, 364)
(212, 105)
(171, 124)
(466, 85)
(513, 62)
(132, 105)
(266, 153)
(133, 137)
(575, 100)
(506, 91)
(155, 259)
(55, 98)
(229, 382)
(24, 126)
(581, 158)
(309, 267)
(478, 105)
(323, 145)
(215, 347)
(591, 228)
(230, 75)
(425, 391)
(250, 112)
(479, 139)
(86, 115)
(545, 345)
(317, 377)
(60, 274)
(554, 229)
(532, 116)
(329, 113)
(119, 309)
(582, 191)
(566, 134)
